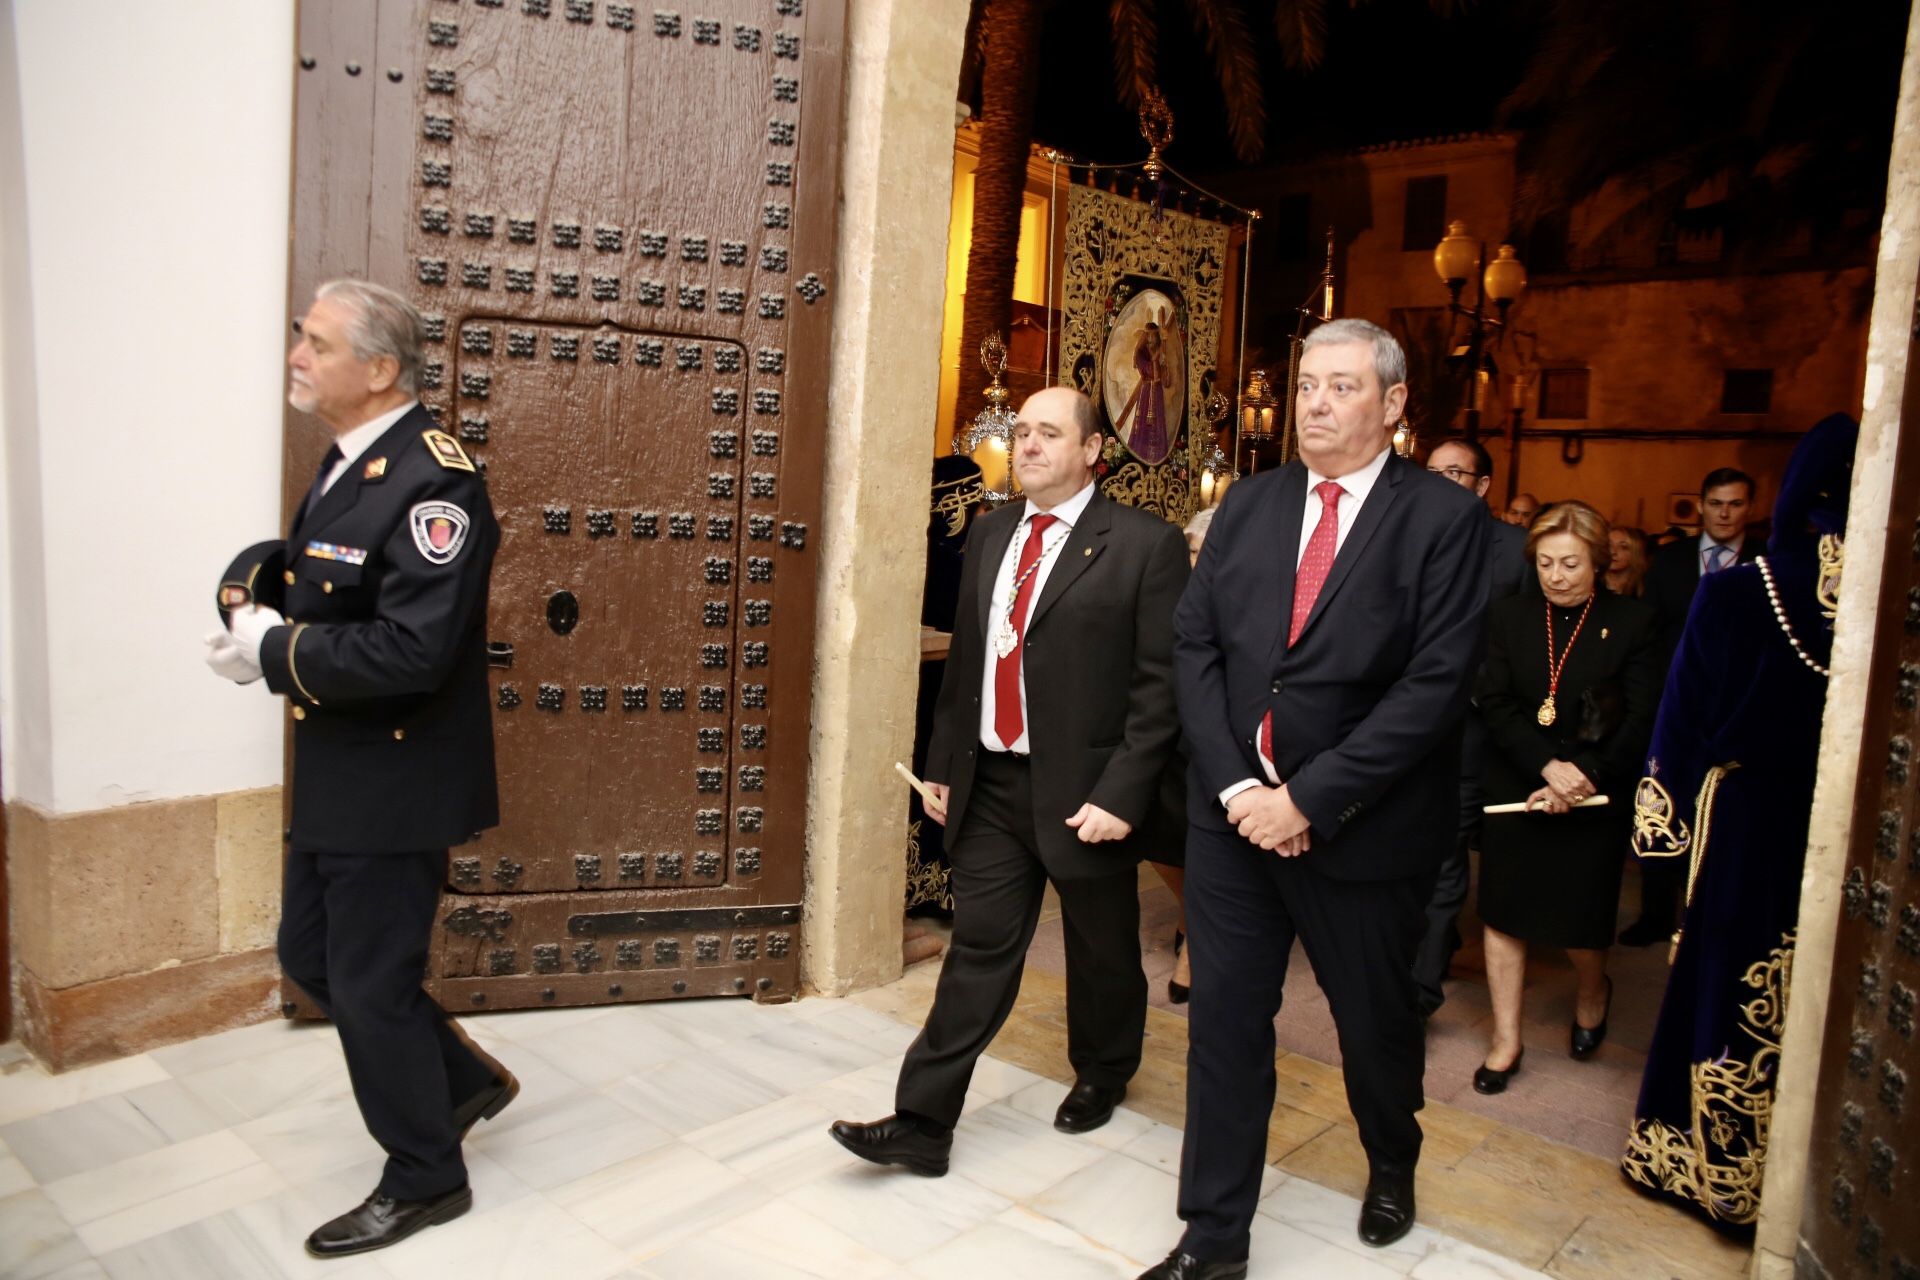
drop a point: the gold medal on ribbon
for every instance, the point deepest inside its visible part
(1546, 713)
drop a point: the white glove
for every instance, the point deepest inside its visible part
(228, 660)
(250, 627)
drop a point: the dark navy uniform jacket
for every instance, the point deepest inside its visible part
(384, 655)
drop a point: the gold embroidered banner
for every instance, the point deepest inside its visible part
(1140, 335)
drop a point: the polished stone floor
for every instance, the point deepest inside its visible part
(671, 1140)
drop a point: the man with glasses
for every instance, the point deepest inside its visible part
(1467, 464)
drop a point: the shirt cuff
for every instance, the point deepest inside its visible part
(1234, 790)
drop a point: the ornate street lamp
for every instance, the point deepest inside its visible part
(1258, 411)
(993, 424)
(1456, 259)
(1217, 472)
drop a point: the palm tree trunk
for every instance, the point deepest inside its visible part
(1010, 67)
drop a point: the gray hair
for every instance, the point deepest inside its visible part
(383, 324)
(1201, 519)
(1389, 361)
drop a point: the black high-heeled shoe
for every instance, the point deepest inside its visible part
(1587, 1040)
(1178, 992)
(1488, 1081)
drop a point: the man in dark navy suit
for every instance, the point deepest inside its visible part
(1726, 500)
(1322, 656)
(381, 655)
(1467, 464)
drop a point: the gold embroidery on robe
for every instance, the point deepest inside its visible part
(1832, 562)
(1658, 831)
(955, 505)
(926, 881)
(1720, 1160)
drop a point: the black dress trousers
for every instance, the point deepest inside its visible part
(998, 884)
(1247, 905)
(354, 933)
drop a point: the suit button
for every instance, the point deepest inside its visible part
(399, 734)
(1276, 686)
(288, 575)
(327, 587)
(299, 713)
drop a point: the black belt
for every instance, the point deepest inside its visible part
(1011, 758)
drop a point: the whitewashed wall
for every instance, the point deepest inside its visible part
(144, 171)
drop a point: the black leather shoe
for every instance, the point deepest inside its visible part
(1488, 1081)
(1387, 1212)
(1184, 1266)
(1587, 1040)
(381, 1220)
(486, 1104)
(895, 1141)
(1644, 933)
(1087, 1107)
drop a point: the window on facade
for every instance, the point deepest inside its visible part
(1563, 393)
(1747, 391)
(1426, 218)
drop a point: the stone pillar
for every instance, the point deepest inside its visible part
(903, 67)
(1890, 331)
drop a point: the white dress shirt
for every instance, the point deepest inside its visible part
(1068, 514)
(1354, 486)
(1708, 543)
(361, 438)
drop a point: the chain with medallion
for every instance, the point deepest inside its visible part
(1006, 639)
(1547, 712)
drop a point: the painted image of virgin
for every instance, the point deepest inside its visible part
(1144, 376)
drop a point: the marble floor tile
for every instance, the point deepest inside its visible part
(1021, 1245)
(243, 1089)
(994, 1079)
(889, 1036)
(88, 1135)
(896, 1213)
(781, 1145)
(1333, 1218)
(1281, 1252)
(311, 1139)
(88, 1270)
(796, 1055)
(35, 1241)
(532, 1237)
(216, 1248)
(866, 1094)
(27, 1090)
(565, 1138)
(519, 1024)
(779, 1239)
(190, 1057)
(1160, 1147)
(163, 1213)
(600, 1051)
(87, 1197)
(708, 1023)
(1450, 1259)
(1125, 1204)
(1015, 1155)
(690, 1093)
(651, 1203)
(14, 1177)
(1042, 1099)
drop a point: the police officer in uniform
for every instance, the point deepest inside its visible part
(382, 656)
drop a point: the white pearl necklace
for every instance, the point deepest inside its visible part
(1773, 598)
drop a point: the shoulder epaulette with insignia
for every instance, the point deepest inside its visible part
(447, 451)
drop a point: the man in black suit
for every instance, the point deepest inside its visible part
(1323, 652)
(1054, 730)
(1726, 500)
(1466, 463)
(382, 656)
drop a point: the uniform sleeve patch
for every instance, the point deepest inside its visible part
(447, 451)
(439, 530)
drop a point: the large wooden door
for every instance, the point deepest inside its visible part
(1864, 1167)
(618, 219)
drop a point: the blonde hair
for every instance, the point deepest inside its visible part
(1578, 519)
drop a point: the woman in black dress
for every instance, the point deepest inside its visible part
(1569, 692)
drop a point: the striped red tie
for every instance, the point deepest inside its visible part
(1008, 723)
(1315, 564)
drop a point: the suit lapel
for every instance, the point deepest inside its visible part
(1083, 547)
(1282, 533)
(993, 549)
(1372, 513)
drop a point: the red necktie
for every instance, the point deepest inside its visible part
(1007, 720)
(1315, 563)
